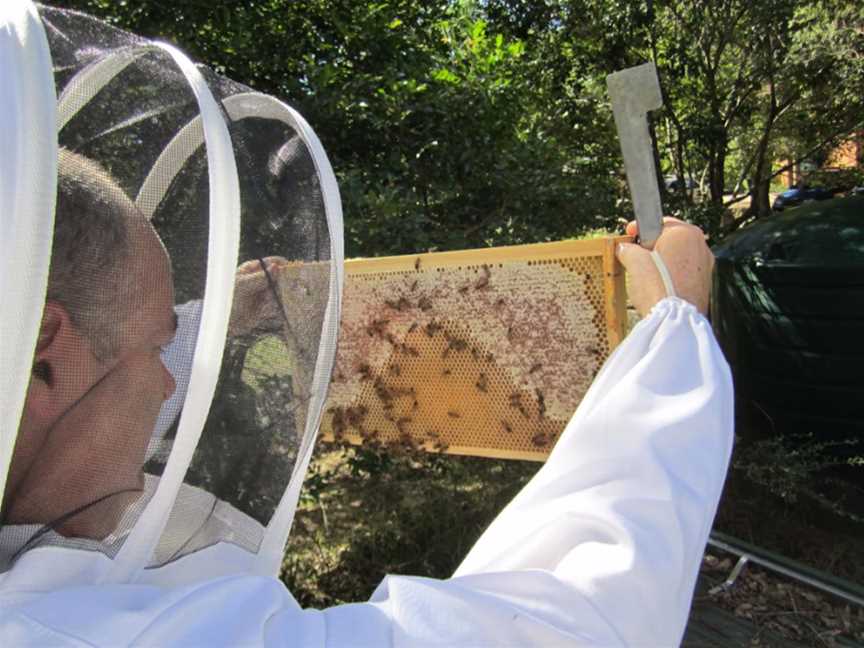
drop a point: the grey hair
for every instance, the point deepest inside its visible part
(91, 250)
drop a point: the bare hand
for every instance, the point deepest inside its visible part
(255, 306)
(686, 255)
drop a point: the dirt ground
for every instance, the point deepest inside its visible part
(777, 610)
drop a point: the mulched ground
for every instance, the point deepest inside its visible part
(765, 609)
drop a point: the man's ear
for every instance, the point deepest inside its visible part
(56, 325)
(54, 317)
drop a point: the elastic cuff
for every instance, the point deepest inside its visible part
(667, 304)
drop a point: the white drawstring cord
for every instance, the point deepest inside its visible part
(664, 273)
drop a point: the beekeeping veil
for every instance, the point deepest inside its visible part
(122, 461)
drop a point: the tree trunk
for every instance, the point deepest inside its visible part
(760, 199)
(716, 170)
(760, 202)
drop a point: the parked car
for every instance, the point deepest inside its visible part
(674, 183)
(857, 191)
(799, 195)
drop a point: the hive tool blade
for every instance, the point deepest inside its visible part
(635, 92)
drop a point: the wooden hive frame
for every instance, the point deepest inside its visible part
(477, 352)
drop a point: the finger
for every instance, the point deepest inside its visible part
(671, 221)
(248, 267)
(254, 265)
(668, 221)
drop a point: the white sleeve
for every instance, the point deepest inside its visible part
(603, 546)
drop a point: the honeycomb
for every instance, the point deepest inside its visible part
(482, 352)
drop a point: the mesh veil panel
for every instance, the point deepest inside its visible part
(258, 419)
(137, 186)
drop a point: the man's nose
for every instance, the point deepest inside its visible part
(170, 383)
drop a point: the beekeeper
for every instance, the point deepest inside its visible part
(142, 505)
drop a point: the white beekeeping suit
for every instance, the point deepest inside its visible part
(158, 408)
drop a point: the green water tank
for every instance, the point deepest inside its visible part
(788, 310)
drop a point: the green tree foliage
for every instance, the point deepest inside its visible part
(444, 131)
(468, 122)
(748, 84)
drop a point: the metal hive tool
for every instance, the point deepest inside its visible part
(478, 352)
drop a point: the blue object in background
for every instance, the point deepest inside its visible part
(799, 195)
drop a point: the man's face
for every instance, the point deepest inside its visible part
(84, 434)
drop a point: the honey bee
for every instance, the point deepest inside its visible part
(446, 372)
(457, 344)
(535, 368)
(377, 327)
(507, 427)
(490, 358)
(440, 446)
(501, 301)
(453, 344)
(432, 328)
(453, 414)
(424, 304)
(365, 372)
(338, 423)
(463, 290)
(400, 304)
(483, 281)
(382, 392)
(414, 286)
(399, 393)
(417, 264)
(395, 369)
(355, 415)
(541, 403)
(540, 439)
(413, 327)
(516, 403)
(593, 350)
(482, 383)
(410, 350)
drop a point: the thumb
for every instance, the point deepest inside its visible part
(646, 286)
(632, 256)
